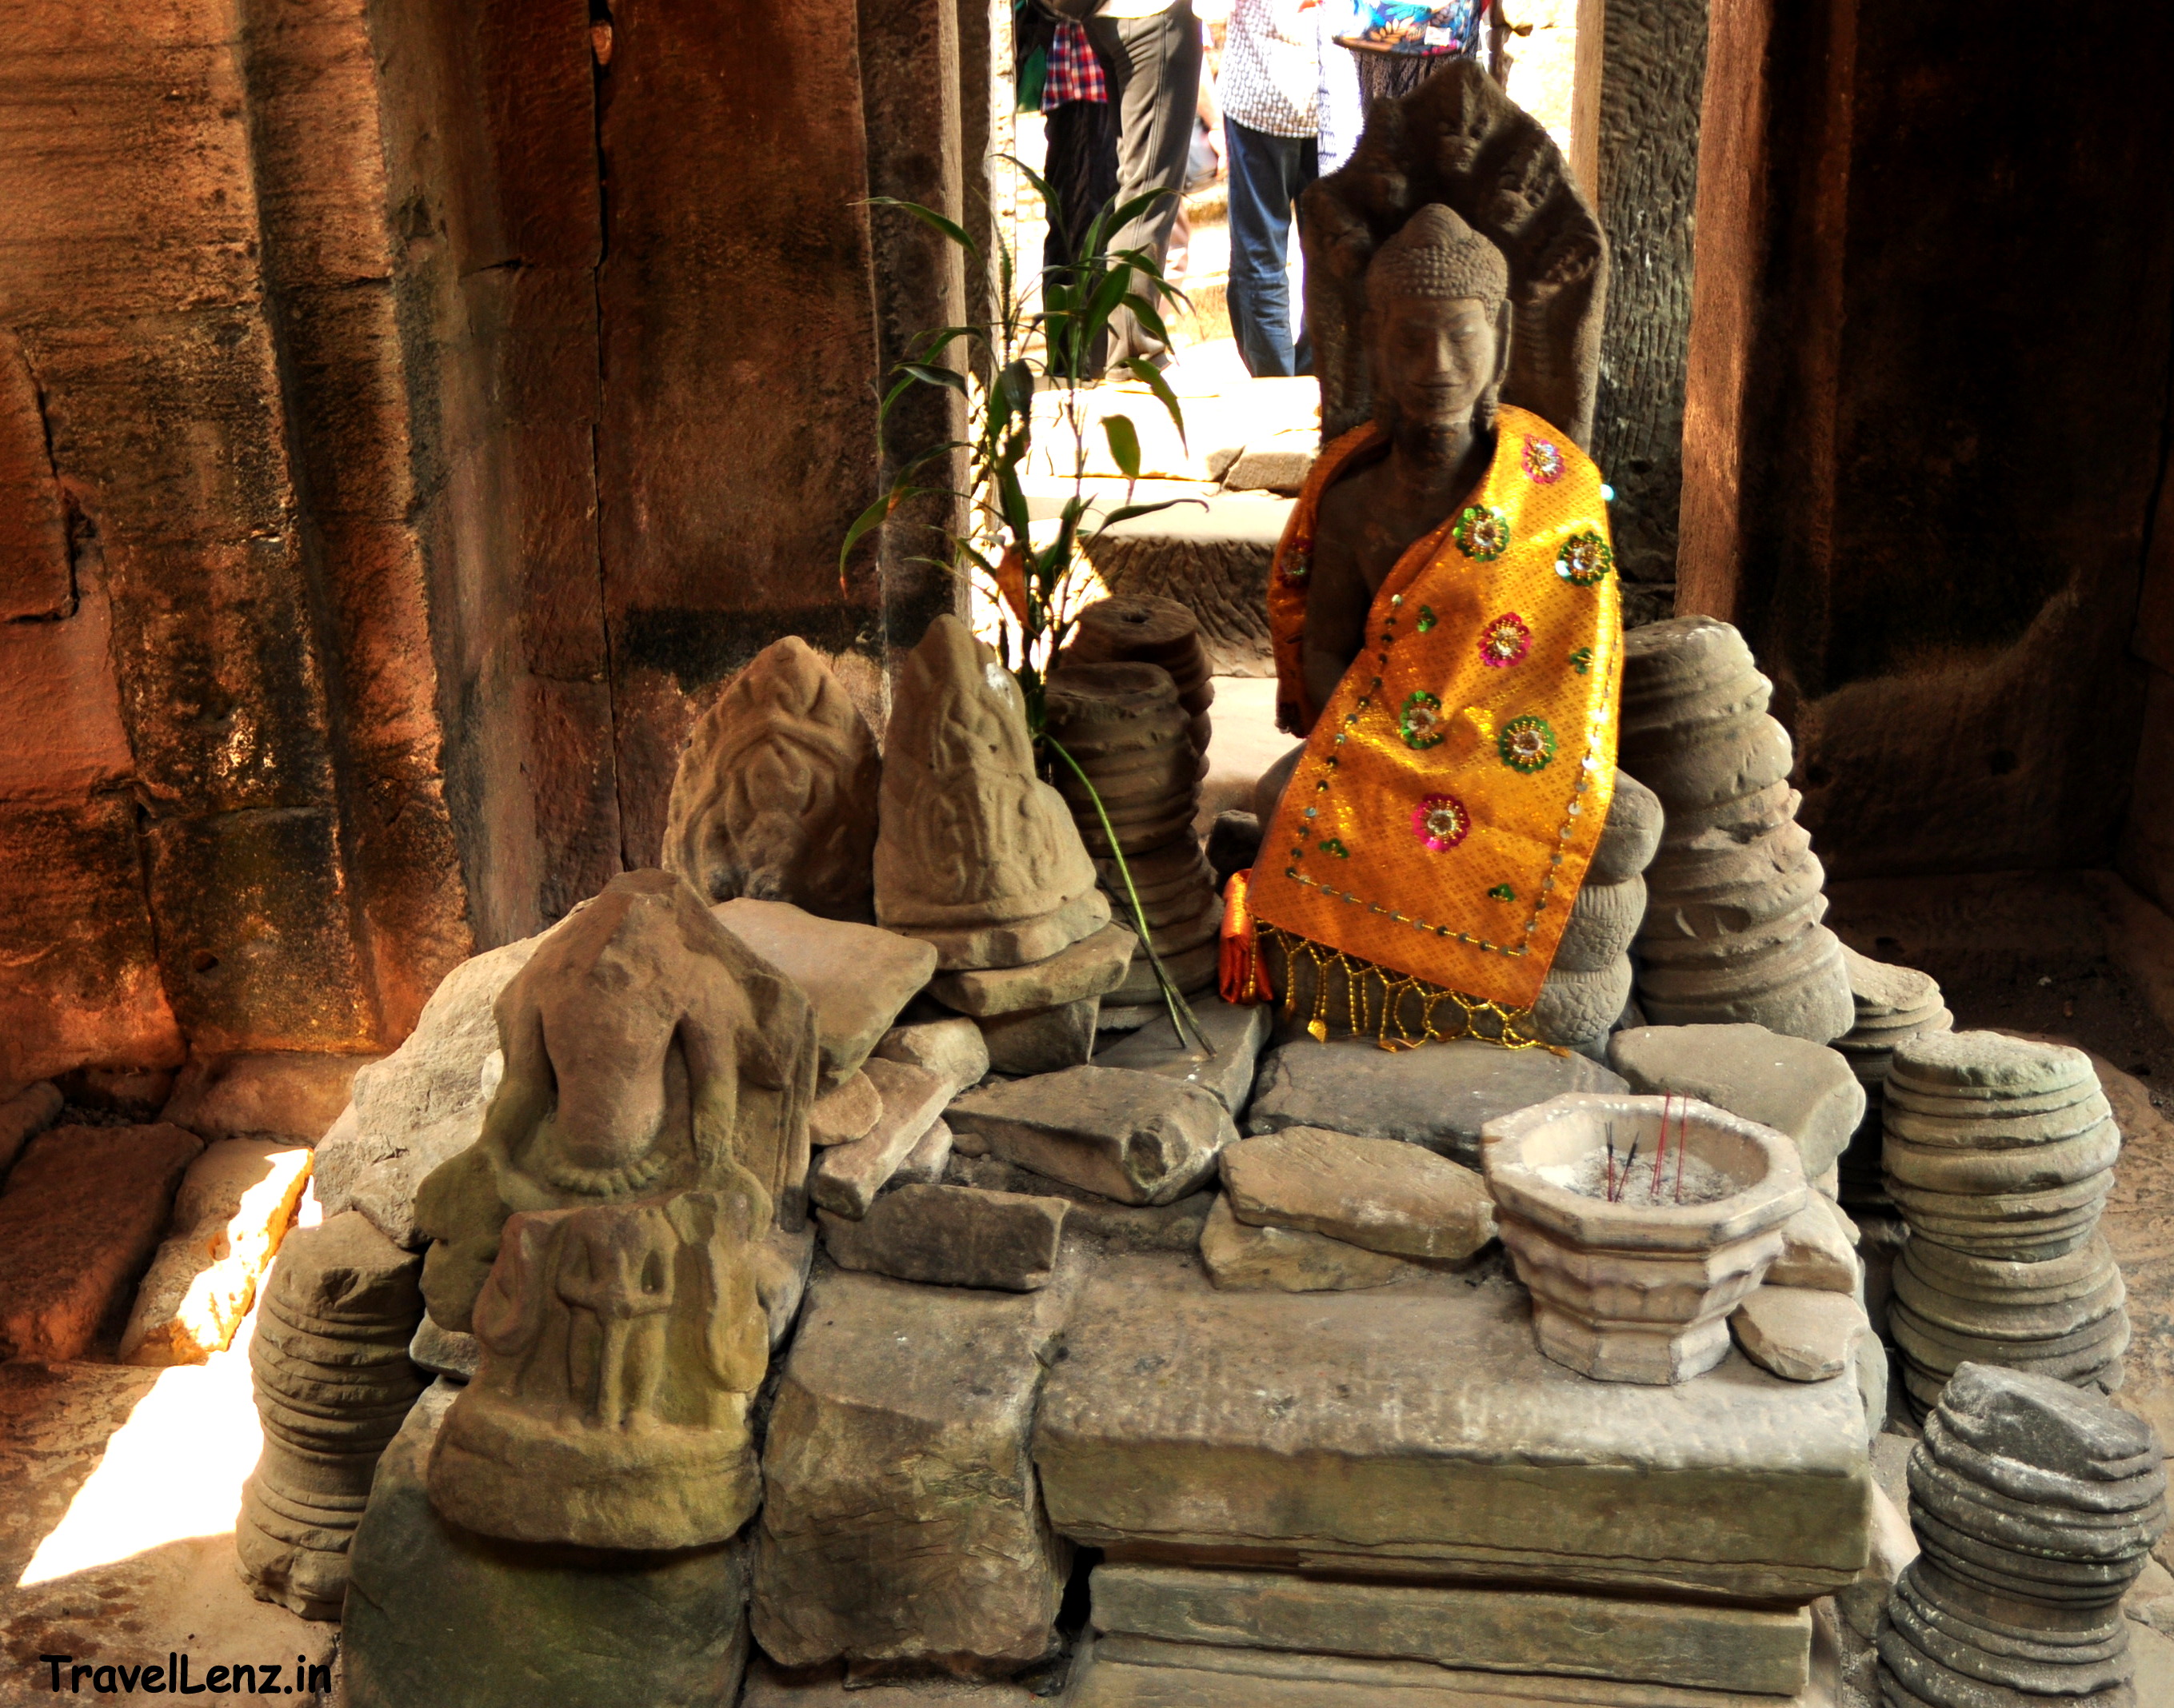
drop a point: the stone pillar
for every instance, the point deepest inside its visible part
(737, 440)
(918, 111)
(489, 129)
(1652, 82)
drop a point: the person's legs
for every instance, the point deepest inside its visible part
(1308, 169)
(1263, 171)
(1268, 175)
(1155, 86)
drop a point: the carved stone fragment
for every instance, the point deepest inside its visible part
(333, 1385)
(622, 1344)
(1734, 897)
(975, 854)
(647, 1051)
(776, 794)
(2036, 1507)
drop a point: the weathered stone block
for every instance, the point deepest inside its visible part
(953, 1237)
(1236, 1031)
(1439, 1096)
(900, 1520)
(1790, 1084)
(848, 1176)
(1817, 1248)
(1319, 1431)
(952, 1050)
(1373, 1192)
(1287, 1259)
(1042, 1040)
(24, 1117)
(283, 1095)
(856, 977)
(1490, 1629)
(1140, 1138)
(82, 1212)
(1091, 967)
(1800, 1334)
(436, 1614)
(842, 1116)
(423, 1105)
(1128, 1671)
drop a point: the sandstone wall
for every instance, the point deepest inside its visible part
(1929, 383)
(411, 413)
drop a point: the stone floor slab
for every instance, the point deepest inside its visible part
(1418, 1429)
(1485, 1630)
(1138, 1673)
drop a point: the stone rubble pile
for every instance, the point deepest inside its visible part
(1587, 990)
(2036, 1507)
(1066, 1305)
(978, 858)
(1894, 1005)
(1733, 926)
(1999, 1154)
(333, 1385)
(1123, 724)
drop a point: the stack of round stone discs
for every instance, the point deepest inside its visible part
(1894, 1005)
(2000, 1154)
(1732, 929)
(1125, 727)
(1140, 628)
(2036, 1507)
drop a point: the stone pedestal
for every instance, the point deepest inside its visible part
(1416, 1431)
(436, 1614)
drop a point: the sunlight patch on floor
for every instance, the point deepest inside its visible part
(174, 1470)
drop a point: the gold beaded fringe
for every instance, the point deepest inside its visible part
(1365, 988)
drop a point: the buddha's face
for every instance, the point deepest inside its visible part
(1434, 358)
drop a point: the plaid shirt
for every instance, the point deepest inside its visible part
(1075, 73)
(1270, 76)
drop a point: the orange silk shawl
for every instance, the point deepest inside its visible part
(1454, 786)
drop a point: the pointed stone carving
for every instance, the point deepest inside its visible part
(775, 794)
(622, 1344)
(648, 1051)
(974, 853)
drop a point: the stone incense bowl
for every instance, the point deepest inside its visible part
(1638, 1290)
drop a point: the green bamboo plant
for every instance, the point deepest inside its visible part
(1046, 334)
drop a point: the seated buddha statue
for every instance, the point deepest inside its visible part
(1448, 641)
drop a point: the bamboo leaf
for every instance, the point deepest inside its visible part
(930, 217)
(1145, 313)
(1124, 444)
(864, 524)
(933, 376)
(1126, 512)
(1150, 375)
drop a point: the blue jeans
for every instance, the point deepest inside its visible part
(1266, 176)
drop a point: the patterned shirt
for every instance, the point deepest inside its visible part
(1075, 73)
(1271, 66)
